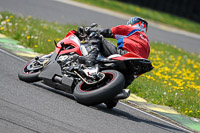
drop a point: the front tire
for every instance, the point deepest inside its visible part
(112, 84)
(30, 72)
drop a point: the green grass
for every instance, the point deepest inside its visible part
(37, 34)
(146, 13)
(173, 82)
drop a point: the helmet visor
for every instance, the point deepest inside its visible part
(137, 20)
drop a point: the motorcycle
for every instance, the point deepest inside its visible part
(102, 83)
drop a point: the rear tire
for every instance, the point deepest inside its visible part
(112, 84)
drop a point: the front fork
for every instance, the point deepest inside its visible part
(43, 60)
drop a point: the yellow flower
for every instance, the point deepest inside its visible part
(186, 111)
(11, 16)
(49, 40)
(2, 28)
(28, 37)
(195, 66)
(152, 50)
(58, 39)
(165, 82)
(169, 91)
(35, 46)
(190, 111)
(44, 27)
(7, 20)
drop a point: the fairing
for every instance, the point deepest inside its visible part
(70, 39)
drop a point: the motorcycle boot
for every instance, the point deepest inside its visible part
(93, 51)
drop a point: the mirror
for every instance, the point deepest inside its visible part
(93, 25)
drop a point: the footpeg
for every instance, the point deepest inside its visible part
(123, 95)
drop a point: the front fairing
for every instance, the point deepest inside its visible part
(70, 40)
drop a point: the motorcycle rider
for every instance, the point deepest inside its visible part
(131, 38)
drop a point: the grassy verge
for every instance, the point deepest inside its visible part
(37, 34)
(174, 81)
(146, 13)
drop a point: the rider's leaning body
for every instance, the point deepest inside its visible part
(131, 38)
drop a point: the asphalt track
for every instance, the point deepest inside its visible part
(37, 108)
(52, 10)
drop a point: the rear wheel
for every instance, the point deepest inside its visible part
(110, 86)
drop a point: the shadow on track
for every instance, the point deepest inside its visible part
(125, 115)
(114, 111)
(38, 84)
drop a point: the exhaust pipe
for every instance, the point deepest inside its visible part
(123, 95)
(58, 79)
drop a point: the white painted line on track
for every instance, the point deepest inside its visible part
(96, 9)
(14, 56)
(5, 52)
(127, 17)
(156, 117)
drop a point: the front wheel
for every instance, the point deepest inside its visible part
(31, 70)
(110, 86)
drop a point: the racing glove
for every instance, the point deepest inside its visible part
(105, 32)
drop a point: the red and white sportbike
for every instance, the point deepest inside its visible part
(102, 83)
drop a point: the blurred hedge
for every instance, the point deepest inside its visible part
(184, 8)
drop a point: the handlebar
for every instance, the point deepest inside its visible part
(85, 32)
(88, 30)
